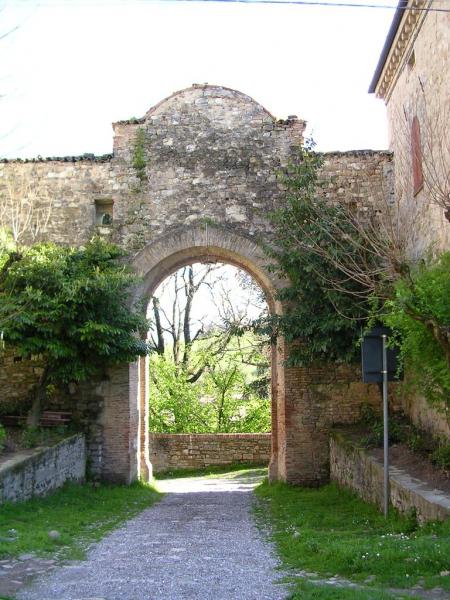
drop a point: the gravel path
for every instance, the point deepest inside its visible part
(198, 543)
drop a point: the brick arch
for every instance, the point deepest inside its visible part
(202, 243)
(125, 414)
(306, 401)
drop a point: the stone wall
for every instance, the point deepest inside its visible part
(38, 472)
(197, 450)
(353, 468)
(419, 86)
(210, 155)
(432, 419)
(17, 377)
(195, 179)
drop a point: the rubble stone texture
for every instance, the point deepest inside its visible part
(194, 180)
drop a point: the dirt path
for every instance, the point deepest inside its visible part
(198, 543)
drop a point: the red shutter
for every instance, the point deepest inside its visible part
(416, 154)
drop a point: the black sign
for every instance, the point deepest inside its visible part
(372, 356)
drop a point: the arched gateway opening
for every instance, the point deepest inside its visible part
(126, 449)
(204, 244)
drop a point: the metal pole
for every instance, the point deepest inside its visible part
(386, 427)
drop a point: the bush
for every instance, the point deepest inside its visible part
(441, 456)
(419, 314)
(2, 437)
(324, 307)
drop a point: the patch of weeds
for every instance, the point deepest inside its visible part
(331, 531)
(139, 162)
(31, 437)
(441, 456)
(402, 431)
(80, 514)
(306, 590)
(2, 437)
(374, 423)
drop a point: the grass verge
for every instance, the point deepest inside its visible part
(329, 531)
(205, 471)
(80, 514)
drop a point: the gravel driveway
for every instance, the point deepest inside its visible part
(199, 542)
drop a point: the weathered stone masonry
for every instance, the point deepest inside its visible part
(198, 450)
(194, 180)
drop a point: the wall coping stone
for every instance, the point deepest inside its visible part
(39, 471)
(102, 158)
(211, 436)
(411, 486)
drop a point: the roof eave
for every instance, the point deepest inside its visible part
(398, 15)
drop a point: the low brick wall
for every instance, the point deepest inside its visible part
(38, 472)
(353, 467)
(198, 450)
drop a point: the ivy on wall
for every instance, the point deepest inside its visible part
(139, 163)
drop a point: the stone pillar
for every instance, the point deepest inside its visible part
(120, 421)
(307, 455)
(145, 468)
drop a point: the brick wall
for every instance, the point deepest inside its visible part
(194, 451)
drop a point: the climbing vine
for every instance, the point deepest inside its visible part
(139, 163)
(325, 307)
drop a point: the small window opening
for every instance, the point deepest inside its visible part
(104, 213)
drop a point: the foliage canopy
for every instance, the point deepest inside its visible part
(325, 307)
(70, 306)
(419, 313)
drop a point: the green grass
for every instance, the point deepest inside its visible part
(329, 531)
(208, 471)
(81, 514)
(305, 590)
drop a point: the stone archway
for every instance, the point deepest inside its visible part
(207, 243)
(127, 395)
(305, 401)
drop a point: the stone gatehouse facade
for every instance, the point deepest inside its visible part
(194, 180)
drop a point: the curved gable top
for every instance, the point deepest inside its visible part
(198, 91)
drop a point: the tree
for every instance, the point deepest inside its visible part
(71, 308)
(204, 377)
(314, 247)
(419, 312)
(24, 212)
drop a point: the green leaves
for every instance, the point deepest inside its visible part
(71, 305)
(420, 314)
(324, 307)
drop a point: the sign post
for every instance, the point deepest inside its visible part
(379, 365)
(385, 427)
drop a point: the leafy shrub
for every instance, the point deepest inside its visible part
(441, 456)
(324, 307)
(2, 437)
(420, 315)
(33, 436)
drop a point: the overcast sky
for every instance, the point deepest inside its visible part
(73, 67)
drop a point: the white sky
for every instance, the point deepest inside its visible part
(73, 67)
(213, 297)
